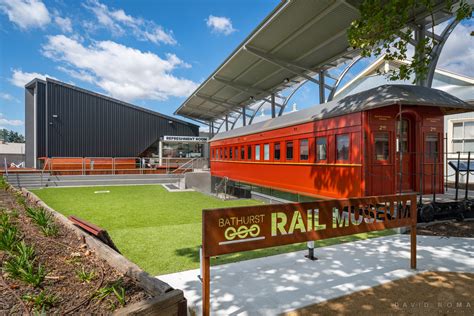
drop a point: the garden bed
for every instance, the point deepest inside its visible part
(448, 229)
(48, 267)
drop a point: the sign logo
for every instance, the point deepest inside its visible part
(241, 229)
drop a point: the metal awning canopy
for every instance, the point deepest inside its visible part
(297, 41)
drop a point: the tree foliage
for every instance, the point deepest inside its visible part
(382, 30)
(11, 136)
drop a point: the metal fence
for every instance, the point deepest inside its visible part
(120, 165)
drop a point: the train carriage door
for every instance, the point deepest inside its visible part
(405, 154)
(432, 162)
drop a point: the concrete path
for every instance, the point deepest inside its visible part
(272, 285)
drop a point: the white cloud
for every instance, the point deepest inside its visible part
(458, 52)
(119, 23)
(20, 78)
(123, 72)
(7, 122)
(220, 24)
(26, 13)
(8, 97)
(81, 74)
(64, 24)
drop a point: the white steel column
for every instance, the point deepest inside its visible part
(35, 131)
(160, 152)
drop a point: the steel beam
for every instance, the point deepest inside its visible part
(281, 63)
(341, 77)
(322, 94)
(243, 88)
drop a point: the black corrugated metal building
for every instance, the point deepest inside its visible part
(62, 120)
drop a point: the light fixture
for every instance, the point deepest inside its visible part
(170, 122)
(252, 98)
(286, 80)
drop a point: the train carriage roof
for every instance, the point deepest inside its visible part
(384, 95)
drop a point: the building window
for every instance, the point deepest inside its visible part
(431, 147)
(249, 152)
(342, 147)
(242, 152)
(381, 146)
(257, 152)
(321, 148)
(289, 150)
(304, 149)
(266, 152)
(276, 151)
(463, 136)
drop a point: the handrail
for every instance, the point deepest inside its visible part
(223, 183)
(115, 165)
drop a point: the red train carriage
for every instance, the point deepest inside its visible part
(345, 148)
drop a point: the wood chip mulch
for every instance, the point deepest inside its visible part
(448, 229)
(62, 256)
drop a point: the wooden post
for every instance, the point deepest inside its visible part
(413, 246)
(413, 214)
(206, 286)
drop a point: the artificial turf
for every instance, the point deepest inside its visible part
(158, 230)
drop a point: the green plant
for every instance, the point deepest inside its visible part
(120, 294)
(41, 301)
(50, 230)
(116, 288)
(43, 219)
(4, 219)
(8, 238)
(85, 276)
(20, 199)
(21, 265)
(3, 183)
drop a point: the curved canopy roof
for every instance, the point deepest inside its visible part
(374, 98)
(296, 41)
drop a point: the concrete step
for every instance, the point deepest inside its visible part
(70, 183)
(115, 177)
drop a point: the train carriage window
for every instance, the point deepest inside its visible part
(257, 152)
(289, 150)
(342, 147)
(225, 152)
(304, 149)
(236, 153)
(242, 152)
(230, 152)
(431, 147)
(381, 145)
(321, 148)
(266, 151)
(249, 152)
(276, 151)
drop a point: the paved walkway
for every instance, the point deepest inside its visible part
(272, 285)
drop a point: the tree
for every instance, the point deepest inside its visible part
(382, 30)
(11, 136)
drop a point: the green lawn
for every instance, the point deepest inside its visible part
(158, 230)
